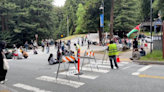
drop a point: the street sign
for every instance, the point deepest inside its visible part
(72, 72)
(61, 35)
(101, 20)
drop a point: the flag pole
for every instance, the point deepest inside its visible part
(139, 31)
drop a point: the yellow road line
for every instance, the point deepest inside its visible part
(125, 59)
(4, 91)
(150, 76)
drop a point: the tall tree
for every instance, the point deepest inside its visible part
(80, 15)
(126, 15)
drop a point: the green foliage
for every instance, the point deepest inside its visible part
(126, 15)
(20, 20)
(24, 19)
(80, 15)
(156, 55)
(158, 5)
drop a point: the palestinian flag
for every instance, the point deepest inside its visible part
(136, 29)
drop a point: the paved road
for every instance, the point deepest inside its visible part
(35, 75)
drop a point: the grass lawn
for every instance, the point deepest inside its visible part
(72, 36)
(155, 56)
(147, 33)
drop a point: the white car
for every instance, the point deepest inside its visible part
(148, 39)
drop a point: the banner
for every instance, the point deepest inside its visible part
(101, 20)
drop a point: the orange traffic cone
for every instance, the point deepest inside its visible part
(118, 59)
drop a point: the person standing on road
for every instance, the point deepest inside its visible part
(88, 44)
(43, 44)
(35, 44)
(135, 44)
(3, 72)
(112, 53)
(78, 42)
(48, 47)
(82, 41)
(26, 46)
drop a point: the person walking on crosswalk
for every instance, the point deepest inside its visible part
(112, 48)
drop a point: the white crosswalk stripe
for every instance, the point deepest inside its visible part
(86, 76)
(70, 83)
(29, 88)
(102, 68)
(94, 70)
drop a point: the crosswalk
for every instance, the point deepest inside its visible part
(90, 73)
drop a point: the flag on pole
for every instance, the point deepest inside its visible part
(136, 29)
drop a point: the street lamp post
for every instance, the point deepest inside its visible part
(102, 25)
(151, 24)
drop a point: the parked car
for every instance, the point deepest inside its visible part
(148, 39)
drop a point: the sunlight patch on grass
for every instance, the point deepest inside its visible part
(72, 36)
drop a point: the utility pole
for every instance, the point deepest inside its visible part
(163, 39)
(67, 26)
(151, 25)
(111, 19)
(103, 21)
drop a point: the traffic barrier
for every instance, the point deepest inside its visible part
(66, 59)
(89, 55)
(78, 63)
(105, 53)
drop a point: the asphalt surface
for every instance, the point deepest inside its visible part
(35, 75)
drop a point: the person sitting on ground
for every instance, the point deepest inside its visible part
(142, 52)
(25, 55)
(51, 60)
(21, 48)
(35, 52)
(20, 55)
(9, 55)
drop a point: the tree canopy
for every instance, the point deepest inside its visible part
(20, 20)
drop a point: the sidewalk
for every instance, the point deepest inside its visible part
(125, 56)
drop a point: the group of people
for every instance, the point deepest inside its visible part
(19, 53)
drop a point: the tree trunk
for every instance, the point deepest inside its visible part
(111, 19)
(6, 22)
(2, 19)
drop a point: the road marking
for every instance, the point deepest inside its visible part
(141, 70)
(94, 70)
(29, 88)
(5, 91)
(144, 68)
(5, 88)
(136, 73)
(82, 76)
(70, 83)
(150, 76)
(100, 66)
(127, 67)
(125, 62)
(108, 63)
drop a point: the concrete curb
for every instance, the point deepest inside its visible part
(149, 62)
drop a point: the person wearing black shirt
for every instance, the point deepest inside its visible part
(3, 72)
(135, 44)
